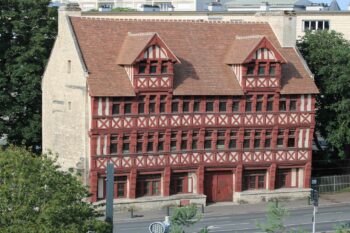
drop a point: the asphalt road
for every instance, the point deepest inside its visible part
(327, 218)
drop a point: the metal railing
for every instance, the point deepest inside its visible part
(328, 184)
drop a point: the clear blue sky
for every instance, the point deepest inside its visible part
(342, 3)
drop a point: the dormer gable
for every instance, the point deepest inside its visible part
(256, 63)
(148, 62)
(138, 46)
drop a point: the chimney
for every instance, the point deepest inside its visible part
(71, 9)
(264, 6)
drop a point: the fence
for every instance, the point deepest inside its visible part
(333, 183)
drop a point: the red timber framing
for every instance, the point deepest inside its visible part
(169, 133)
(165, 144)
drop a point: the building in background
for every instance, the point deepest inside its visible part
(205, 5)
(196, 110)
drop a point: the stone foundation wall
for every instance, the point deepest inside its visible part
(143, 203)
(256, 196)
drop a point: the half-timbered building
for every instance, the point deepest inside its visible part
(185, 110)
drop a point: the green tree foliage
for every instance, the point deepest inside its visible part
(345, 228)
(275, 220)
(35, 197)
(27, 33)
(328, 56)
(185, 217)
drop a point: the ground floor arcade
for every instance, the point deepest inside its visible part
(237, 184)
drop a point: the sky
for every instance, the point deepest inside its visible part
(342, 3)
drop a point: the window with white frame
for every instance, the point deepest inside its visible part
(315, 25)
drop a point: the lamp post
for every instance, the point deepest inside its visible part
(110, 193)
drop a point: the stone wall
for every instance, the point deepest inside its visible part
(65, 102)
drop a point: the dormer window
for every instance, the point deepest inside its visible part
(250, 69)
(272, 70)
(261, 70)
(164, 69)
(142, 68)
(153, 68)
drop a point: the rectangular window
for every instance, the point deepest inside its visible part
(313, 25)
(283, 179)
(220, 143)
(196, 105)
(326, 25)
(207, 140)
(259, 103)
(186, 106)
(261, 70)
(257, 139)
(254, 180)
(306, 25)
(282, 104)
(195, 140)
(148, 185)
(142, 68)
(120, 187)
(161, 138)
(233, 140)
(250, 69)
(180, 183)
(280, 138)
(269, 105)
(291, 138)
(162, 104)
(126, 144)
(272, 70)
(175, 105)
(293, 103)
(246, 140)
(150, 142)
(173, 141)
(268, 135)
(209, 106)
(139, 143)
(115, 109)
(153, 68)
(222, 106)
(248, 103)
(114, 144)
(235, 105)
(164, 68)
(184, 140)
(127, 108)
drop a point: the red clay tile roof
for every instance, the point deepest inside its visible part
(240, 49)
(200, 46)
(132, 46)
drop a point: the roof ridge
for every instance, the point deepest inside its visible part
(173, 20)
(141, 33)
(249, 37)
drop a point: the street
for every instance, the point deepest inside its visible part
(223, 221)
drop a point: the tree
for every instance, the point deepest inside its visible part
(185, 216)
(27, 32)
(275, 220)
(36, 197)
(328, 55)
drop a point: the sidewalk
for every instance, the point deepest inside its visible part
(229, 208)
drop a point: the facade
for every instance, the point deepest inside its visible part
(184, 109)
(269, 5)
(164, 5)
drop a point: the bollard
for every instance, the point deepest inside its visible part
(132, 213)
(202, 208)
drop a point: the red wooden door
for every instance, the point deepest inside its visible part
(219, 186)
